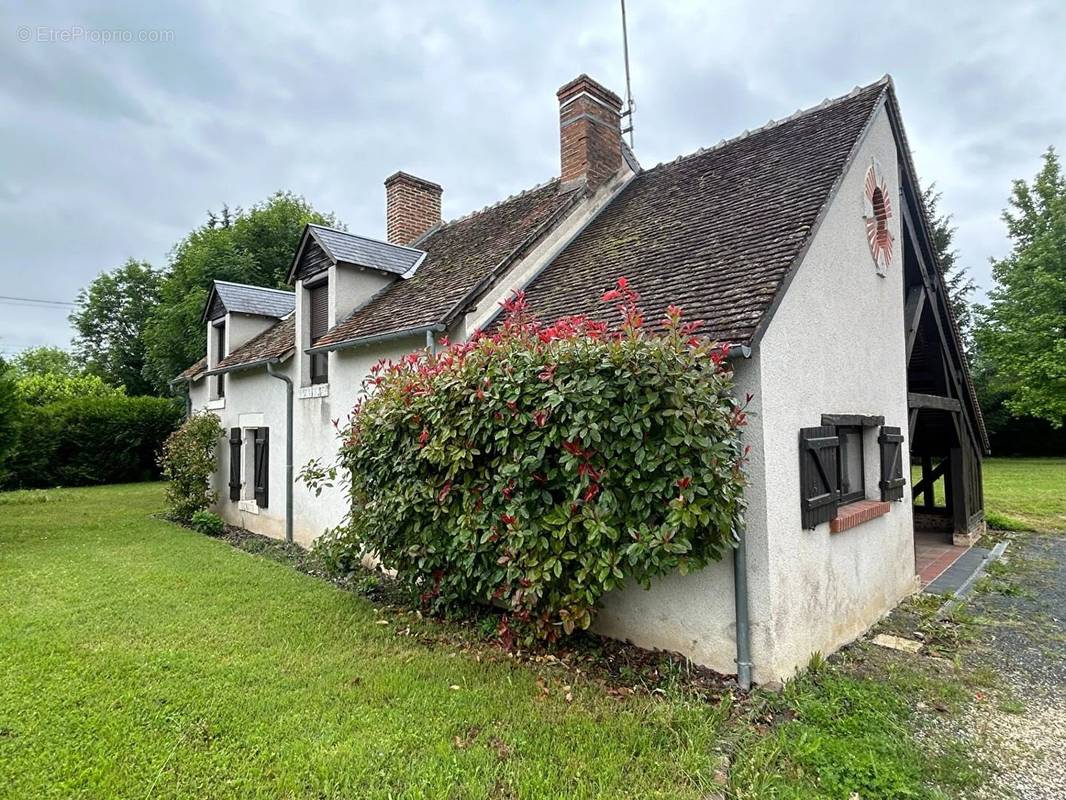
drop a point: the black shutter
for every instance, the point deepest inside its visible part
(234, 463)
(319, 311)
(262, 466)
(819, 475)
(892, 481)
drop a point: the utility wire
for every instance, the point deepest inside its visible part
(34, 301)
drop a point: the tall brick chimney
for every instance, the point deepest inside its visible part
(590, 132)
(412, 207)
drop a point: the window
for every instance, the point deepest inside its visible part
(220, 353)
(851, 464)
(833, 471)
(318, 300)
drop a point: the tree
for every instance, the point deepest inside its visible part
(959, 283)
(1022, 332)
(9, 413)
(110, 320)
(254, 247)
(44, 361)
(44, 375)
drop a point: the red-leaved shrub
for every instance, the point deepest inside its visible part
(540, 466)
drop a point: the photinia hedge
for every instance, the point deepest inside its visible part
(543, 465)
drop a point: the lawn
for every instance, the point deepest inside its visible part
(1029, 492)
(140, 659)
(1020, 493)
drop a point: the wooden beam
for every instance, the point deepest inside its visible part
(929, 477)
(913, 315)
(913, 423)
(915, 400)
(931, 280)
(855, 420)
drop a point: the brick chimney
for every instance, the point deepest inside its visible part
(590, 132)
(412, 207)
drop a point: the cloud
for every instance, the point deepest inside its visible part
(112, 150)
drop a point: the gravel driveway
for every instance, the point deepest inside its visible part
(1026, 646)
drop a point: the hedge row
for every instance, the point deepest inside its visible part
(90, 440)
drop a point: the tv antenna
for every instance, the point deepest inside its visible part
(629, 91)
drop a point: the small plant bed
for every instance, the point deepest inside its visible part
(622, 668)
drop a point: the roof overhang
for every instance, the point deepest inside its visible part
(259, 362)
(388, 336)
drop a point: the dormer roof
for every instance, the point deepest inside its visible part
(227, 298)
(341, 247)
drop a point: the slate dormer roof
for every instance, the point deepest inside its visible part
(341, 247)
(226, 297)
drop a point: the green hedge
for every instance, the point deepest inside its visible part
(90, 440)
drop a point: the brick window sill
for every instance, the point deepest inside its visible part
(856, 513)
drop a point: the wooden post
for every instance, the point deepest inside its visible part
(928, 498)
(959, 507)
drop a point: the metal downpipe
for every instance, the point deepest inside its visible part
(740, 603)
(288, 447)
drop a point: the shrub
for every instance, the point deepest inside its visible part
(188, 461)
(540, 467)
(208, 523)
(90, 440)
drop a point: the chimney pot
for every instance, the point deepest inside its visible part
(590, 132)
(412, 207)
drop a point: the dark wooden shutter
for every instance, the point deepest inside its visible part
(262, 466)
(892, 480)
(319, 311)
(234, 463)
(819, 474)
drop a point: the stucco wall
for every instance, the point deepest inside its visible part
(835, 345)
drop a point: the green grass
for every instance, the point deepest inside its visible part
(1026, 493)
(139, 659)
(1021, 494)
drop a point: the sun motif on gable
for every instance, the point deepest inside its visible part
(877, 211)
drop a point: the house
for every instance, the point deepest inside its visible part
(803, 243)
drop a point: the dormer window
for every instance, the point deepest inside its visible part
(318, 301)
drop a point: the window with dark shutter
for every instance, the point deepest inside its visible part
(819, 474)
(319, 302)
(261, 468)
(892, 480)
(234, 463)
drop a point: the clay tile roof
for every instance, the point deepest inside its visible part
(364, 252)
(193, 373)
(714, 232)
(275, 342)
(458, 255)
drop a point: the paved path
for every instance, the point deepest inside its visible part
(1028, 650)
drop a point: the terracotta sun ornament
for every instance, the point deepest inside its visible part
(877, 211)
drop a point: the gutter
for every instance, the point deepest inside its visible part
(288, 446)
(403, 333)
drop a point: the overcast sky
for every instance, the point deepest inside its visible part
(117, 149)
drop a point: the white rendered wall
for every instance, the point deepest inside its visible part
(242, 328)
(835, 345)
